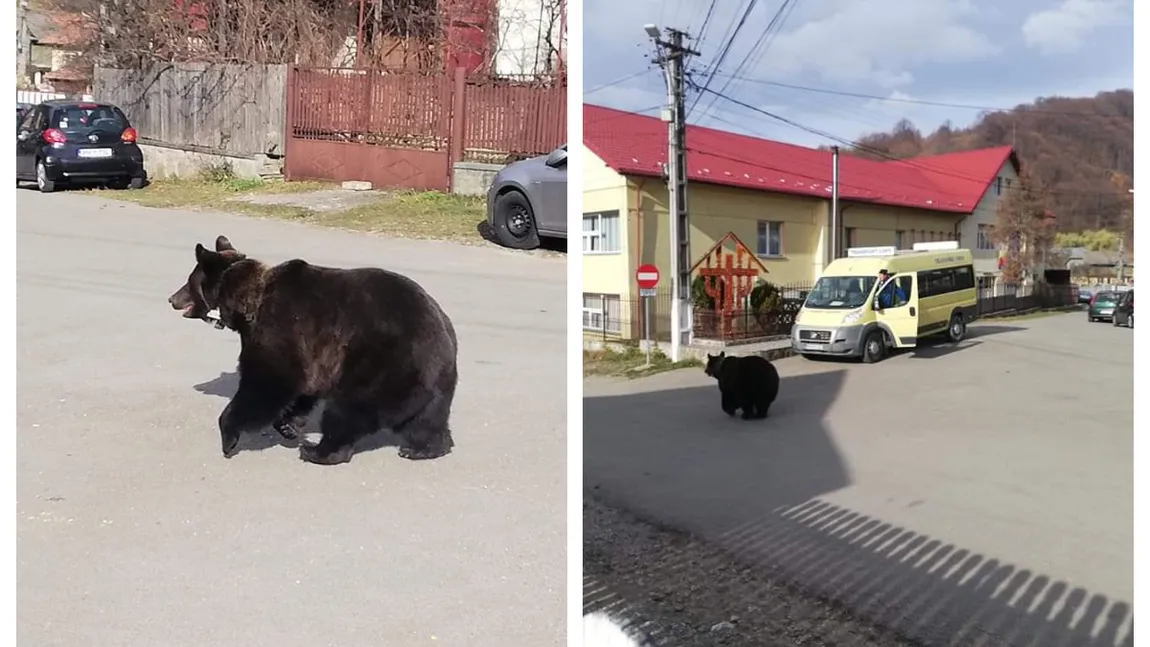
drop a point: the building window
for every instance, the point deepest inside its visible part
(900, 239)
(601, 232)
(601, 313)
(998, 185)
(770, 239)
(849, 237)
(986, 237)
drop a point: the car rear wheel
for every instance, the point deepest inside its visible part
(136, 183)
(514, 221)
(956, 331)
(42, 182)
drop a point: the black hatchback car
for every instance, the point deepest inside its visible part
(60, 142)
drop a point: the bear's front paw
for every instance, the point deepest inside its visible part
(230, 446)
(730, 412)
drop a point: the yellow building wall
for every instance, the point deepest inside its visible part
(717, 210)
(878, 225)
(605, 190)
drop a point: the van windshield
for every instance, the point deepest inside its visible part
(840, 292)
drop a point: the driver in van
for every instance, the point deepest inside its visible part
(891, 295)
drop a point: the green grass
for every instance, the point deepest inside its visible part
(408, 214)
(631, 362)
(414, 214)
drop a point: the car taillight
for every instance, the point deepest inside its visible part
(128, 136)
(53, 136)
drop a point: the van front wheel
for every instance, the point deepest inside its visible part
(956, 331)
(874, 347)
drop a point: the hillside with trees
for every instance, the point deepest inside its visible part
(1079, 152)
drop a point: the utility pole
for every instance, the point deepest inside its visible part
(835, 226)
(671, 52)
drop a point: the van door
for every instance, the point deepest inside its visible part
(896, 307)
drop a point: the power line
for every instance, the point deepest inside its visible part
(726, 49)
(617, 81)
(762, 45)
(940, 104)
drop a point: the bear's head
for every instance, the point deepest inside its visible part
(202, 292)
(713, 364)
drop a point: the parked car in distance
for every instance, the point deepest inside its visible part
(1102, 306)
(1085, 293)
(528, 200)
(1124, 311)
(63, 142)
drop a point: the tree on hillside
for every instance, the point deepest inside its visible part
(1072, 145)
(1022, 228)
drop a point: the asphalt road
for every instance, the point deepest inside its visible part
(134, 530)
(978, 495)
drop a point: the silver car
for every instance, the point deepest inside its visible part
(528, 200)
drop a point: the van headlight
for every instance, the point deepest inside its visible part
(852, 317)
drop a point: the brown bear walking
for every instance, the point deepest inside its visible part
(372, 344)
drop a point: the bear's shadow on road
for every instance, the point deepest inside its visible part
(225, 386)
(752, 490)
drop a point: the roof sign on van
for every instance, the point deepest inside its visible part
(936, 246)
(862, 252)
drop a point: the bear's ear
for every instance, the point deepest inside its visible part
(223, 244)
(722, 354)
(205, 256)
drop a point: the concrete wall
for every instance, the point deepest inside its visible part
(162, 162)
(473, 178)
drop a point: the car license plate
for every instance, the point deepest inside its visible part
(812, 347)
(94, 152)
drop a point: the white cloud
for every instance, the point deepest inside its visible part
(1062, 29)
(894, 105)
(879, 42)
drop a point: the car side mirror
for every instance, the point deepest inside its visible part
(877, 305)
(557, 158)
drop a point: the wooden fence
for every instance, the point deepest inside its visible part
(235, 110)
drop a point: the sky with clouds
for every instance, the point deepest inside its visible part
(971, 52)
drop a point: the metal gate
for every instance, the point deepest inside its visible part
(391, 128)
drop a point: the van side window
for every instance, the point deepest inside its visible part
(933, 283)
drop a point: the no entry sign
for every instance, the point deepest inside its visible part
(647, 276)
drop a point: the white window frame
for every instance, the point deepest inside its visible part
(597, 232)
(601, 312)
(984, 240)
(761, 253)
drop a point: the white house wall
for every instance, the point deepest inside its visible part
(522, 43)
(986, 213)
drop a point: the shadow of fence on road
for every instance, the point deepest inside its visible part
(930, 592)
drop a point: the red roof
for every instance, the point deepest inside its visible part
(634, 144)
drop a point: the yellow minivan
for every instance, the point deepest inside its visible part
(928, 291)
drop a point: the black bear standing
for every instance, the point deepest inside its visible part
(747, 383)
(372, 344)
